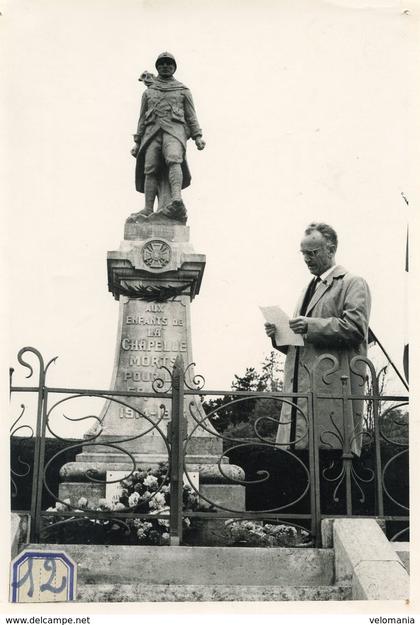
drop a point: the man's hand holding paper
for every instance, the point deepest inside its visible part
(299, 325)
(277, 327)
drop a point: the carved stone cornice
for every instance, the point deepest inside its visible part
(158, 268)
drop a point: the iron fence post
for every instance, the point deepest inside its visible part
(37, 474)
(378, 454)
(177, 440)
(11, 371)
(314, 467)
(41, 465)
(347, 455)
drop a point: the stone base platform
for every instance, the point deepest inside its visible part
(111, 573)
(210, 592)
(97, 466)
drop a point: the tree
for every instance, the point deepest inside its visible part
(392, 415)
(249, 416)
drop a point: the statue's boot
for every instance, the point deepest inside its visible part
(175, 210)
(134, 217)
(146, 212)
(179, 211)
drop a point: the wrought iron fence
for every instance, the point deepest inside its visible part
(317, 473)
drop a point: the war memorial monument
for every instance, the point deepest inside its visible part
(305, 540)
(155, 275)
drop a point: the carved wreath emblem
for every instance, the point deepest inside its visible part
(156, 254)
(150, 293)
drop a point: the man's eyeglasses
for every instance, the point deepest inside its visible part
(310, 253)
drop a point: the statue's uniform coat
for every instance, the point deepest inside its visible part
(338, 322)
(166, 106)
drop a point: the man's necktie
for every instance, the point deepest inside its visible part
(308, 295)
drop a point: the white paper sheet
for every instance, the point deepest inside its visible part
(284, 335)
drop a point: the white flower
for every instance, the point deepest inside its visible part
(163, 522)
(142, 528)
(150, 480)
(161, 498)
(60, 507)
(157, 502)
(83, 502)
(133, 499)
(119, 506)
(165, 537)
(104, 504)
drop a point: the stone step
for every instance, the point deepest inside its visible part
(214, 592)
(402, 549)
(202, 566)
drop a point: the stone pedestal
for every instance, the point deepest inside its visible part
(155, 274)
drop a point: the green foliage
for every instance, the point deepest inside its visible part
(392, 417)
(245, 417)
(394, 425)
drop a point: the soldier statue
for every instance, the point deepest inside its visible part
(167, 120)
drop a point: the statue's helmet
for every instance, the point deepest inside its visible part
(165, 55)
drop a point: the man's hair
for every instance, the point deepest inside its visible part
(327, 232)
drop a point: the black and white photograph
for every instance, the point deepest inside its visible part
(208, 243)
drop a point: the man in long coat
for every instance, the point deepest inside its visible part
(167, 120)
(332, 315)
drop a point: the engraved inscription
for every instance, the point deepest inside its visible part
(151, 361)
(153, 333)
(148, 345)
(141, 320)
(128, 413)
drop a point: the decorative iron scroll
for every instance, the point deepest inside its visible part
(198, 381)
(86, 517)
(280, 514)
(364, 483)
(92, 476)
(19, 469)
(291, 484)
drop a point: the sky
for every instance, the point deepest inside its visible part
(307, 108)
